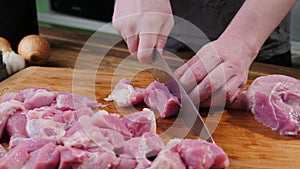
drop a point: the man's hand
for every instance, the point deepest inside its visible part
(216, 74)
(144, 25)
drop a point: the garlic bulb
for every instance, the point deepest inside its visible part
(13, 61)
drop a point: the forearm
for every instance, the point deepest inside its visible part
(255, 21)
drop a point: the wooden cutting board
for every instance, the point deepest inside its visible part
(248, 143)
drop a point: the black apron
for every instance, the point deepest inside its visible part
(212, 17)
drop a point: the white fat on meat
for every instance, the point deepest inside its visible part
(47, 129)
(67, 100)
(274, 101)
(124, 94)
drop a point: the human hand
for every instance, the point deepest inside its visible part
(219, 70)
(144, 25)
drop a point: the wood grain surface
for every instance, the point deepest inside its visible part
(92, 69)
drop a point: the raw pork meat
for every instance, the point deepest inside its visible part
(7, 109)
(64, 130)
(15, 158)
(158, 97)
(124, 94)
(188, 153)
(140, 122)
(46, 157)
(274, 101)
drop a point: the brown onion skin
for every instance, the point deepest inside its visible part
(4, 45)
(34, 49)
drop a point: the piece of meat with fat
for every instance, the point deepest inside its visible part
(7, 109)
(158, 97)
(124, 94)
(68, 100)
(47, 157)
(45, 128)
(140, 122)
(103, 119)
(83, 135)
(39, 98)
(31, 144)
(141, 148)
(274, 101)
(22, 94)
(101, 160)
(15, 158)
(192, 154)
(168, 157)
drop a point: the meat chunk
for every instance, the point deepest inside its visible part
(15, 158)
(46, 129)
(39, 98)
(158, 97)
(124, 94)
(16, 124)
(7, 109)
(46, 157)
(64, 130)
(140, 122)
(274, 101)
(70, 157)
(190, 153)
(103, 119)
(97, 160)
(67, 101)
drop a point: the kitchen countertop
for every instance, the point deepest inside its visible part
(82, 57)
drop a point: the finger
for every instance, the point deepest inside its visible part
(212, 82)
(199, 66)
(224, 95)
(132, 44)
(233, 88)
(147, 42)
(161, 42)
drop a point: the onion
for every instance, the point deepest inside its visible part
(4, 45)
(34, 49)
